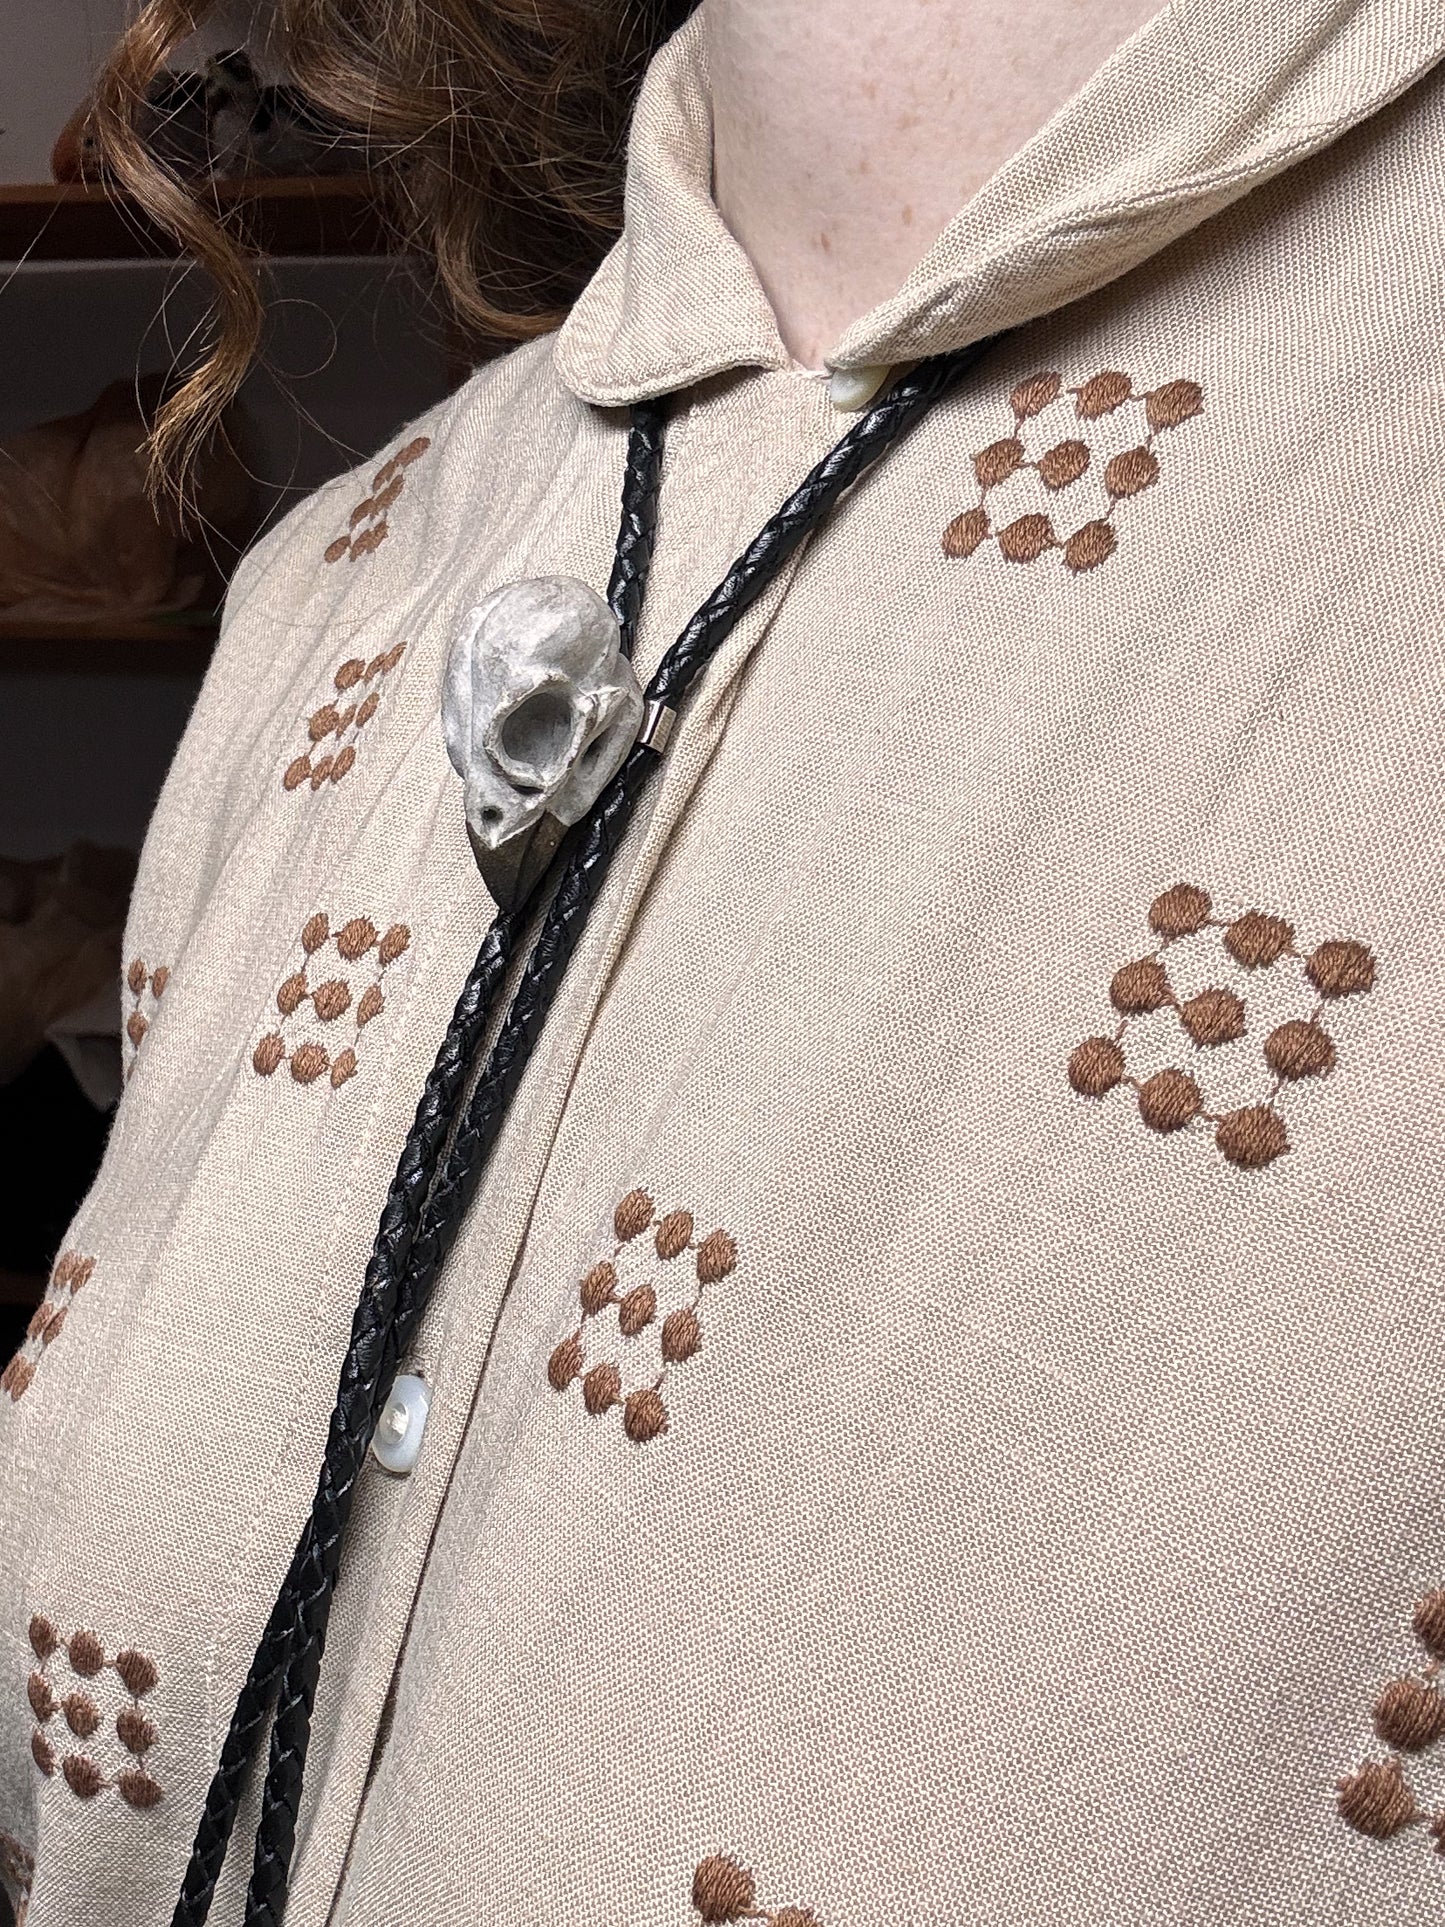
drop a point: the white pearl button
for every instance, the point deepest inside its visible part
(850, 389)
(396, 1441)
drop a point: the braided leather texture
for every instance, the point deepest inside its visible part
(434, 1184)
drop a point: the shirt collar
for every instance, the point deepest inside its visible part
(1206, 101)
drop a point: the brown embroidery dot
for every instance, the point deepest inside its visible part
(389, 494)
(1257, 940)
(681, 1335)
(376, 666)
(565, 1363)
(362, 512)
(722, 1889)
(343, 1068)
(1101, 394)
(354, 939)
(1409, 1714)
(1169, 1100)
(296, 773)
(44, 1640)
(136, 977)
(1087, 547)
(394, 943)
(16, 1377)
(418, 446)
(965, 532)
(136, 1028)
(42, 1752)
(1140, 987)
(320, 771)
(1063, 464)
(598, 1289)
(1375, 1799)
(1341, 967)
(292, 994)
(717, 1255)
(1033, 395)
(331, 1000)
(1428, 1622)
(65, 1268)
(637, 1310)
(344, 759)
(323, 722)
(87, 1655)
(1299, 1049)
(1131, 472)
(268, 1053)
(1252, 1137)
(341, 546)
(308, 1061)
(371, 1005)
(393, 656)
(82, 1715)
(1180, 910)
(1026, 539)
(998, 461)
(80, 1270)
(40, 1695)
(366, 709)
(601, 1389)
(1213, 1017)
(160, 977)
(137, 1788)
(674, 1234)
(137, 1671)
(376, 534)
(350, 673)
(633, 1216)
(82, 1775)
(55, 1322)
(39, 1325)
(644, 1416)
(384, 474)
(135, 1732)
(1096, 1066)
(1172, 404)
(314, 932)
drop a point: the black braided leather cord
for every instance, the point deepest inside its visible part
(387, 1325)
(639, 518)
(436, 1113)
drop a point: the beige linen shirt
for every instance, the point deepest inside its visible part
(1000, 1478)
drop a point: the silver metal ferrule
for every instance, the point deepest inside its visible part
(656, 730)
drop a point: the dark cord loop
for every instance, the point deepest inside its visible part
(441, 1166)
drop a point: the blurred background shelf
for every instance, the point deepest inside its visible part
(158, 647)
(336, 215)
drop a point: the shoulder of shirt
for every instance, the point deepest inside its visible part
(279, 572)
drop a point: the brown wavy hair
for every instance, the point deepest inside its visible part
(497, 130)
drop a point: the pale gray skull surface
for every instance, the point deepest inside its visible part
(539, 706)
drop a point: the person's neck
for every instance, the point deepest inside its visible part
(847, 134)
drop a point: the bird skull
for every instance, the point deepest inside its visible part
(539, 706)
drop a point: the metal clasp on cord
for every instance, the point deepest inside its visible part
(656, 730)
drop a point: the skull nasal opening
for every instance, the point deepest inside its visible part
(536, 737)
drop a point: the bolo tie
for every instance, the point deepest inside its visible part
(462, 1109)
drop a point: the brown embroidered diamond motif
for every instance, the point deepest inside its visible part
(640, 1273)
(1290, 1053)
(72, 1270)
(79, 1691)
(1409, 1717)
(367, 527)
(339, 980)
(334, 728)
(1042, 464)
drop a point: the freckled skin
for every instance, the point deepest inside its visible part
(848, 134)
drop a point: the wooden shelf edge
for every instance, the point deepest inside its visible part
(328, 214)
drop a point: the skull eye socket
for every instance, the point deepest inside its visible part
(536, 736)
